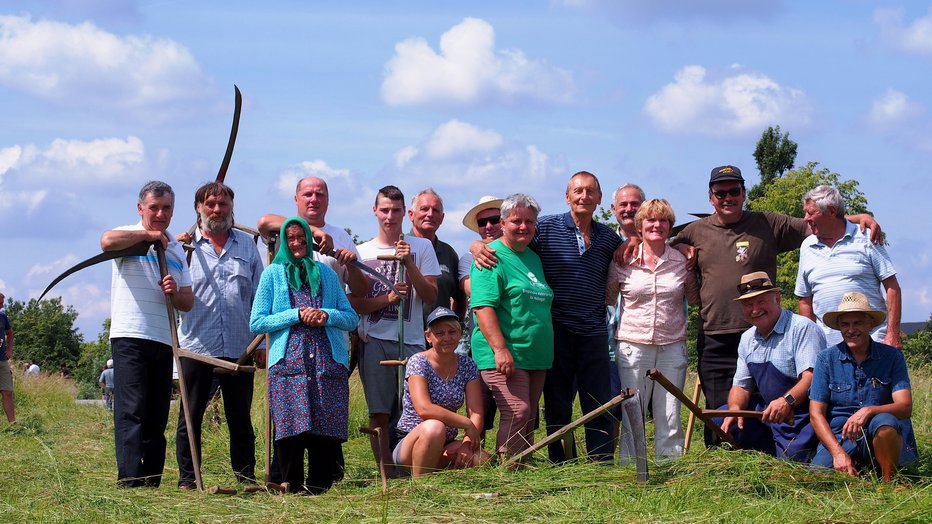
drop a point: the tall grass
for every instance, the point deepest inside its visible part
(57, 465)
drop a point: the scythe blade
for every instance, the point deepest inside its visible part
(140, 249)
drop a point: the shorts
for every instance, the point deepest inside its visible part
(6, 376)
(380, 383)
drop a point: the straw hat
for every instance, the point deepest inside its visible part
(486, 202)
(754, 284)
(853, 302)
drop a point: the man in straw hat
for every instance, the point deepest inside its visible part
(861, 398)
(775, 360)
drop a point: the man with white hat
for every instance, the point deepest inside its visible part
(775, 360)
(861, 399)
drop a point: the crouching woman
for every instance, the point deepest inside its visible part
(437, 382)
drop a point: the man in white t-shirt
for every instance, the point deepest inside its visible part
(379, 310)
(140, 336)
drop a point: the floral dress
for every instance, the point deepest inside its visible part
(446, 393)
(308, 389)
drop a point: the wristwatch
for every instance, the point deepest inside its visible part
(790, 399)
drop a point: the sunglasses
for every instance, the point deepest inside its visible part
(754, 285)
(735, 191)
(488, 220)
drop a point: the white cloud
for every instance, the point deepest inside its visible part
(43, 272)
(105, 163)
(469, 70)
(84, 66)
(460, 155)
(914, 38)
(736, 105)
(893, 107)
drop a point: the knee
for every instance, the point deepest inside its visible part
(433, 430)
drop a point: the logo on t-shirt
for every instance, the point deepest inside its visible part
(741, 248)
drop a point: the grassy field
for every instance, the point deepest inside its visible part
(57, 465)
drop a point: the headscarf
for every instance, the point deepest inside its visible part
(298, 271)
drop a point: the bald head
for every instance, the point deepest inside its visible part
(312, 199)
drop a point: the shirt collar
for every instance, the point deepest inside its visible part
(779, 328)
(845, 353)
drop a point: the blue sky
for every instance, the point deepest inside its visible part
(471, 98)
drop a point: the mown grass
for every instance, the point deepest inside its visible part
(58, 465)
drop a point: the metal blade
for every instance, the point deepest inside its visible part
(140, 249)
(233, 131)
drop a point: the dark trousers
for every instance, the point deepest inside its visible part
(718, 359)
(142, 386)
(322, 463)
(237, 405)
(579, 362)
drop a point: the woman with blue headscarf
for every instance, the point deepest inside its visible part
(302, 305)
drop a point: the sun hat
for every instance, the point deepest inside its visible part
(853, 302)
(486, 202)
(754, 284)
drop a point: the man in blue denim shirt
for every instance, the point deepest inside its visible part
(860, 396)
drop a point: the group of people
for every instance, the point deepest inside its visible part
(534, 292)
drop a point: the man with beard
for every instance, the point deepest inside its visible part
(140, 336)
(225, 270)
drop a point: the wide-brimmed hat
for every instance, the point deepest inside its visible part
(853, 302)
(754, 284)
(486, 202)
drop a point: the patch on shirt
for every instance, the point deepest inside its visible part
(741, 248)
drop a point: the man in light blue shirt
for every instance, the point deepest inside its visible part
(838, 258)
(225, 271)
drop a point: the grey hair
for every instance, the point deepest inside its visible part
(428, 191)
(518, 200)
(629, 186)
(825, 197)
(157, 189)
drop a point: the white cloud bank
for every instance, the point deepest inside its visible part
(84, 66)
(913, 38)
(469, 70)
(893, 107)
(732, 106)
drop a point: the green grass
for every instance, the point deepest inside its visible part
(58, 465)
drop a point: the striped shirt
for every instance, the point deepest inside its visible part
(137, 303)
(577, 279)
(224, 286)
(852, 264)
(792, 347)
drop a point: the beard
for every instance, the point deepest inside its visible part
(215, 225)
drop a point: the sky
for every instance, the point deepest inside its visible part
(470, 98)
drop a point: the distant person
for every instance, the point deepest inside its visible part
(140, 336)
(437, 384)
(861, 398)
(32, 370)
(6, 372)
(302, 305)
(106, 384)
(838, 258)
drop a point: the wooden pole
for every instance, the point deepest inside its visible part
(173, 328)
(553, 437)
(657, 376)
(691, 423)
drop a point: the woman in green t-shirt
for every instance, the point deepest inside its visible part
(513, 341)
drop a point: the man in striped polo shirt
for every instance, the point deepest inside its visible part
(575, 251)
(140, 336)
(838, 258)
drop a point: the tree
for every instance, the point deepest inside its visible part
(784, 195)
(45, 331)
(605, 216)
(775, 154)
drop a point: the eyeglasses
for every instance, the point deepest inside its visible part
(488, 220)
(756, 284)
(735, 191)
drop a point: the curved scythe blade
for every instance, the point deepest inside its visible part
(139, 249)
(233, 130)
